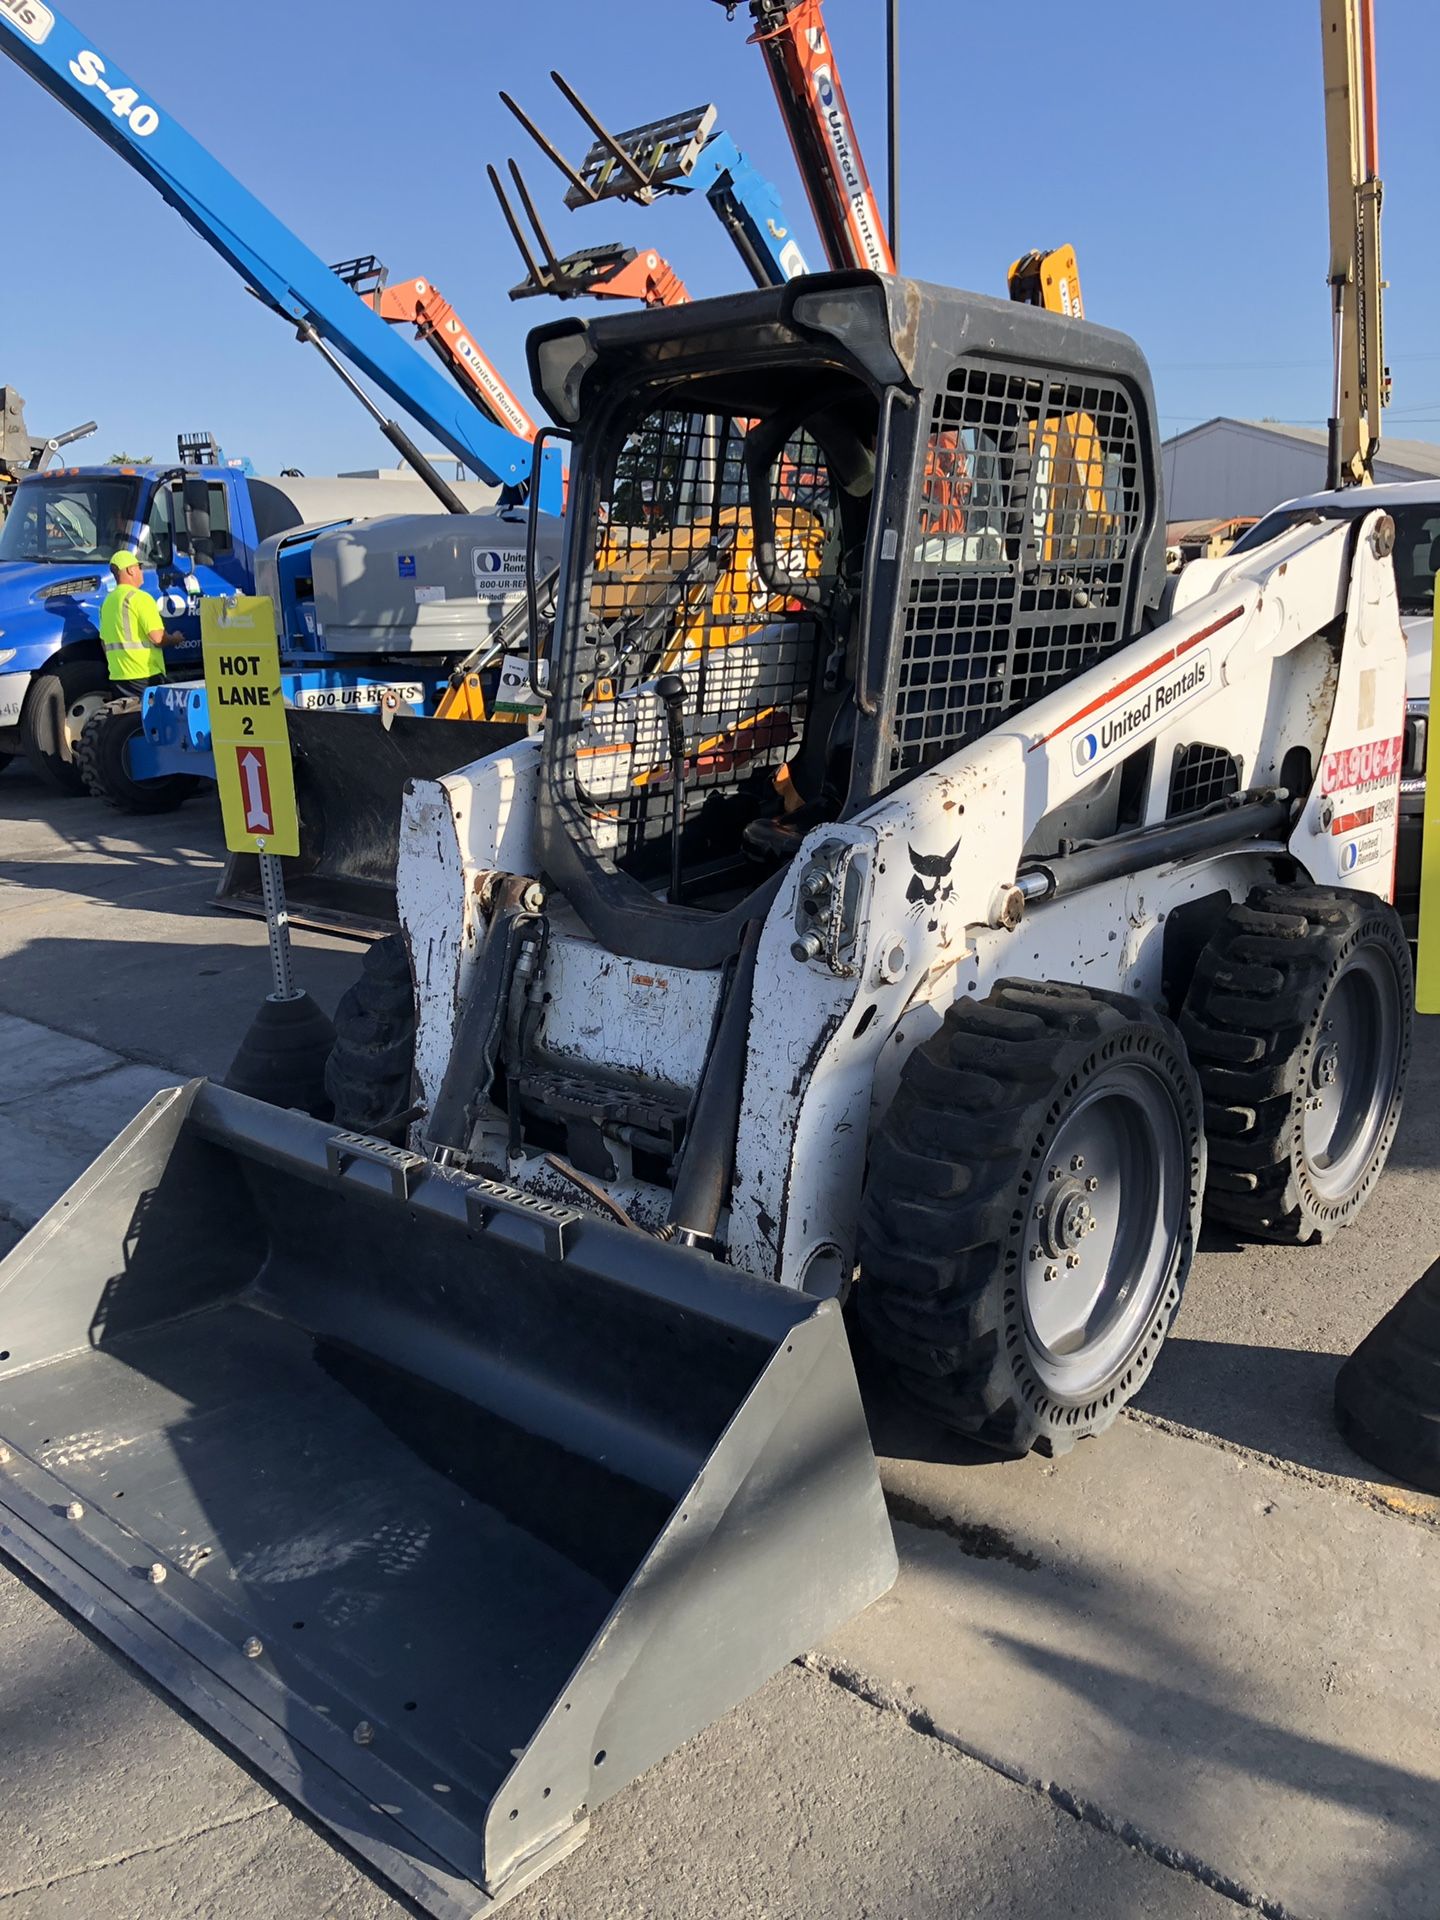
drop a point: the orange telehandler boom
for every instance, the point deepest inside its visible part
(420, 304)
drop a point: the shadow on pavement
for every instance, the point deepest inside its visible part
(1273, 1400)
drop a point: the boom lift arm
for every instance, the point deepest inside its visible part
(1352, 147)
(274, 264)
(680, 154)
(812, 104)
(610, 271)
(420, 304)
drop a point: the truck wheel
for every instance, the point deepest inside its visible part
(368, 1075)
(103, 759)
(59, 702)
(1299, 1020)
(1030, 1212)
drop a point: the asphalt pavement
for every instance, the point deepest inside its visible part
(1188, 1667)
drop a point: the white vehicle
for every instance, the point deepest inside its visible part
(1414, 505)
(894, 898)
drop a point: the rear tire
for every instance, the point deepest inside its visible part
(59, 702)
(103, 760)
(1018, 1302)
(1300, 1020)
(371, 1067)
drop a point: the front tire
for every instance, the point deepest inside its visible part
(1030, 1213)
(369, 1073)
(1300, 1021)
(60, 701)
(104, 763)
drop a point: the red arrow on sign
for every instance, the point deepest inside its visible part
(255, 786)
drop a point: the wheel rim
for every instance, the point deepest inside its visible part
(1103, 1236)
(1351, 1072)
(78, 713)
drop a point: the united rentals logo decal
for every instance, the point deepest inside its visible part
(1113, 732)
(848, 167)
(33, 20)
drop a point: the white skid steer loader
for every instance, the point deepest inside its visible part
(894, 899)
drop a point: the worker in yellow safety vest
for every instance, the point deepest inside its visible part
(132, 631)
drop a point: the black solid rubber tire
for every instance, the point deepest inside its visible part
(369, 1073)
(42, 732)
(105, 771)
(1251, 1020)
(947, 1206)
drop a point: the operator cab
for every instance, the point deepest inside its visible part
(819, 537)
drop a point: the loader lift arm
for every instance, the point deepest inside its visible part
(1352, 148)
(273, 263)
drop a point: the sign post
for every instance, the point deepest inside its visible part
(251, 746)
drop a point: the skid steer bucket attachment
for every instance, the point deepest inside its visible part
(451, 1509)
(350, 778)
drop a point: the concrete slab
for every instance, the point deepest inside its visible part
(1198, 1646)
(108, 931)
(47, 1140)
(806, 1801)
(81, 1730)
(34, 1059)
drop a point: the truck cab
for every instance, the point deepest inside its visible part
(195, 531)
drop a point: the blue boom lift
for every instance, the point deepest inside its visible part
(55, 692)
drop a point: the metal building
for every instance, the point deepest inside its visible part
(1227, 468)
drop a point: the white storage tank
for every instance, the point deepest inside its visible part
(424, 583)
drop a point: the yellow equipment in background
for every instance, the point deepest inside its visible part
(1048, 277)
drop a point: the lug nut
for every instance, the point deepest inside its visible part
(1072, 1260)
(1052, 1273)
(1077, 1165)
(1091, 1183)
(253, 1647)
(1091, 1224)
(157, 1573)
(74, 1511)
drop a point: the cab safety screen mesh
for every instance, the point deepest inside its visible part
(675, 591)
(1022, 552)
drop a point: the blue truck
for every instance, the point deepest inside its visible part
(198, 531)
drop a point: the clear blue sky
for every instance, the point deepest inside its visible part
(1179, 147)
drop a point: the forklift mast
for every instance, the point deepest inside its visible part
(1352, 147)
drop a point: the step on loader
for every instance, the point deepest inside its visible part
(916, 910)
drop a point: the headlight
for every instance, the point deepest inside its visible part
(1417, 730)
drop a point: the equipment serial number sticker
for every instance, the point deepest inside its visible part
(1160, 699)
(33, 20)
(1359, 769)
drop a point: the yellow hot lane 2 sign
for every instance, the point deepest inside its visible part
(248, 735)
